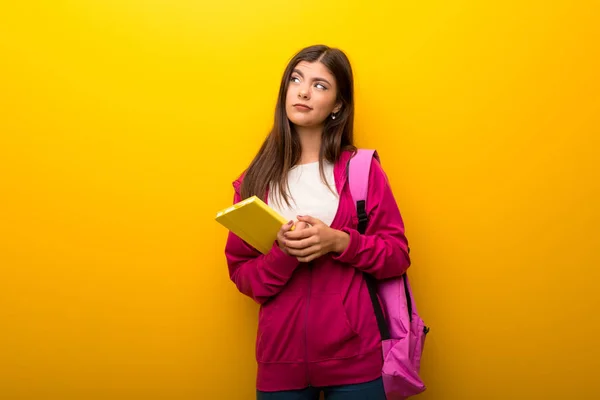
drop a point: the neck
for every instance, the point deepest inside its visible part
(310, 142)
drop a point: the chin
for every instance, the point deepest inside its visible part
(302, 122)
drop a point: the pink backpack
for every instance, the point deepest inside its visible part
(402, 330)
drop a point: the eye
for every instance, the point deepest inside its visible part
(295, 79)
(321, 86)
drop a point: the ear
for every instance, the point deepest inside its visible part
(337, 108)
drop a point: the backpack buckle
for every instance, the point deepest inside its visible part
(362, 216)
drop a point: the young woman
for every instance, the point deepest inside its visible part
(317, 329)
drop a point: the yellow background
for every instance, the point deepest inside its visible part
(123, 123)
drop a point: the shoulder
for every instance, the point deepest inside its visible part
(377, 170)
(237, 183)
(378, 178)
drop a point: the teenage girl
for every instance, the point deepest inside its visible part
(317, 330)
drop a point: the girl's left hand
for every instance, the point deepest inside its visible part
(317, 240)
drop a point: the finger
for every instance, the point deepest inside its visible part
(301, 225)
(286, 227)
(309, 258)
(309, 219)
(304, 253)
(298, 234)
(301, 244)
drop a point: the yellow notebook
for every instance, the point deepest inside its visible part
(254, 222)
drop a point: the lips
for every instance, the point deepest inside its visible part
(302, 107)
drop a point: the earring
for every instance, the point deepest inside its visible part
(332, 116)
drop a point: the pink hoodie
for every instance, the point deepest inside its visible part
(316, 323)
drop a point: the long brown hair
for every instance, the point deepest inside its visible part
(281, 150)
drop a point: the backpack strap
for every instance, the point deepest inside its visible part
(359, 168)
(358, 176)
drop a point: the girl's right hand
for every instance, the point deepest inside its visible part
(285, 228)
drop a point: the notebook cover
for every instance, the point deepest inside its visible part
(253, 221)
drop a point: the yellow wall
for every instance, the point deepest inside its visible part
(115, 119)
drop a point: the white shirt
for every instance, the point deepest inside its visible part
(309, 195)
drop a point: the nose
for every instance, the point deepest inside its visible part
(303, 94)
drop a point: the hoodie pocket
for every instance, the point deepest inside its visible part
(331, 334)
(279, 337)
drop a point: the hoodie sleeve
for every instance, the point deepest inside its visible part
(259, 276)
(383, 250)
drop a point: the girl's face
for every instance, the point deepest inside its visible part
(311, 95)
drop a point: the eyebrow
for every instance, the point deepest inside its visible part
(315, 79)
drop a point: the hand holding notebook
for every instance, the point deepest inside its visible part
(254, 222)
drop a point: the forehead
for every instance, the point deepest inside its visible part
(315, 70)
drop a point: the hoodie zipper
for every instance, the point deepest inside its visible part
(309, 266)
